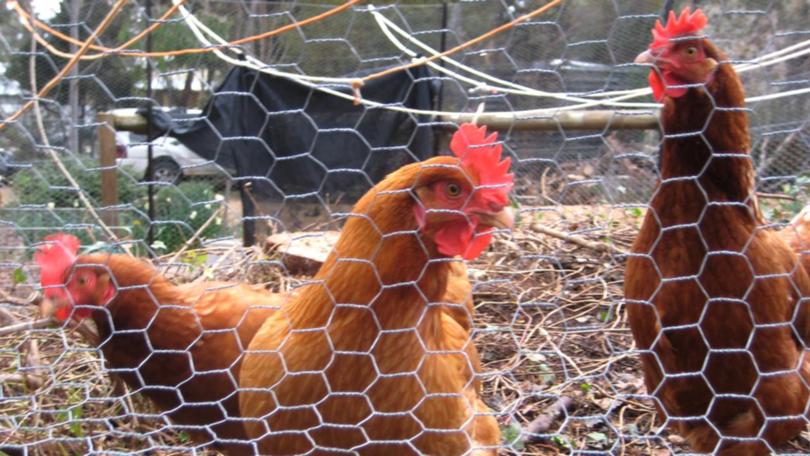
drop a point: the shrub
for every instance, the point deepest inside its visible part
(46, 205)
(179, 212)
(44, 183)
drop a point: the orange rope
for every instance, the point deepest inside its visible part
(26, 21)
(359, 83)
(69, 66)
(121, 49)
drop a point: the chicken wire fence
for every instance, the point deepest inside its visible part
(559, 370)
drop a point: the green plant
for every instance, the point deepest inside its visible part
(73, 415)
(180, 211)
(782, 210)
(511, 435)
(46, 204)
(44, 183)
(561, 441)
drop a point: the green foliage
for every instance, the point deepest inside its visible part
(47, 205)
(116, 76)
(179, 212)
(635, 212)
(19, 276)
(44, 183)
(585, 387)
(511, 436)
(561, 441)
(178, 36)
(73, 415)
(783, 210)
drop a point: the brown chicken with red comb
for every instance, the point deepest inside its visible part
(366, 360)
(180, 346)
(714, 298)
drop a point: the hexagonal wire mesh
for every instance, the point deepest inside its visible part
(527, 350)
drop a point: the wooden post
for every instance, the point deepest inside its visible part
(109, 177)
(568, 120)
(640, 119)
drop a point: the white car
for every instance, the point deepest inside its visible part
(171, 160)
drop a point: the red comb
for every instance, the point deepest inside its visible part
(687, 24)
(482, 154)
(55, 258)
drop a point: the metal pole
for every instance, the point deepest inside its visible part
(442, 48)
(440, 96)
(73, 85)
(150, 234)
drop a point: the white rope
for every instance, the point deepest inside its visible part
(386, 25)
(200, 30)
(199, 27)
(776, 57)
(774, 96)
(802, 48)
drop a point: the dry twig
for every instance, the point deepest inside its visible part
(598, 246)
(25, 326)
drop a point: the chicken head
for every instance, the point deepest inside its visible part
(460, 208)
(678, 55)
(66, 284)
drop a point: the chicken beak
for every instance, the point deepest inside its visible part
(48, 307)
(646, 57)
(504, 219)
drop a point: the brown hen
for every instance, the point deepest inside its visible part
(367, 359)
(713, 296)
(180, 346)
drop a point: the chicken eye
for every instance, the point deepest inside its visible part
(453, 190)
(691, 51)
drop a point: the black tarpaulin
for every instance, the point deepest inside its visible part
(300, 141)
(289, 140)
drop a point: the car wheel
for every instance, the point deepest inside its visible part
(165, 170)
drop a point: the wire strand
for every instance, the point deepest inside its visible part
(485, 36)
(121, 50)
(26, 20)
(116, 8)
(386, 25)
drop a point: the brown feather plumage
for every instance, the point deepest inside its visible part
(189, 338)
(705, 229)
(393, 346)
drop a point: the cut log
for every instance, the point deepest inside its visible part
(302, 252)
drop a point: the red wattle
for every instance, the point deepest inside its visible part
(453, 238)
(668, 86)
(63, 313)
(656, 85)
(459, 238)
(478, 244)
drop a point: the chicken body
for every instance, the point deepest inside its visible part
(368, 358)
(180, 346)
(713, 297)
(458, 296)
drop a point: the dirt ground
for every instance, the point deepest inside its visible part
(549, 324)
